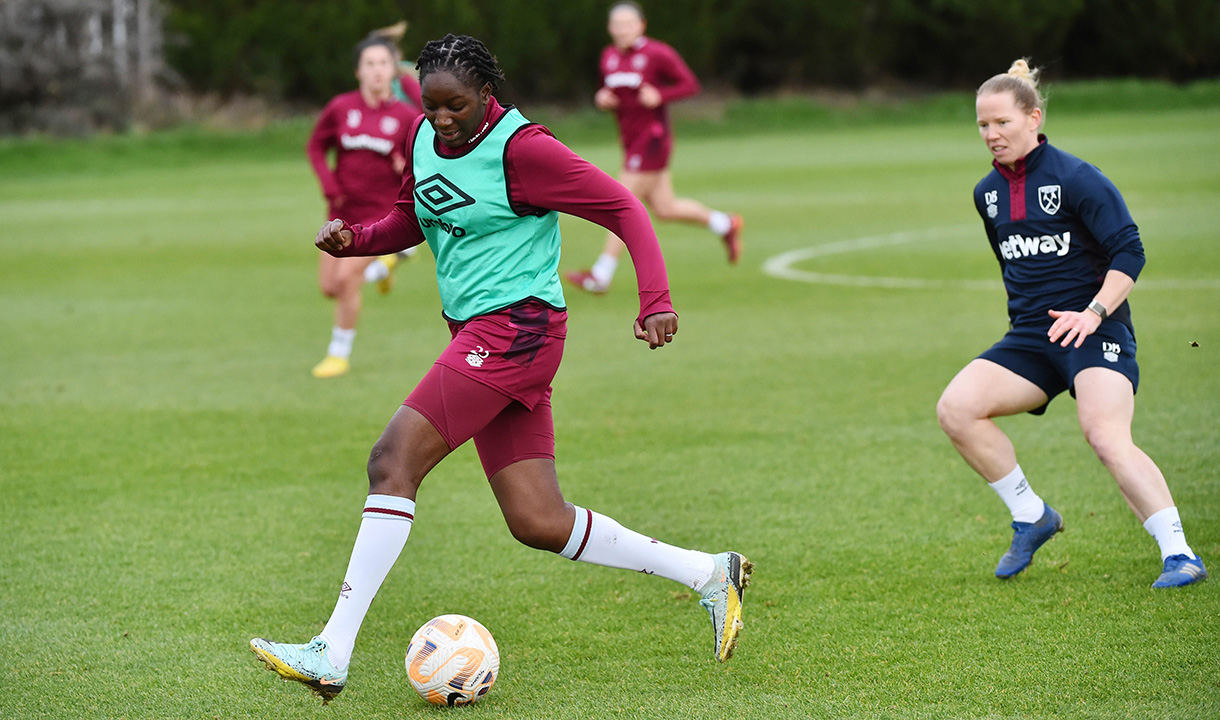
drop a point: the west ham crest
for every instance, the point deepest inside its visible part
(1048, 199)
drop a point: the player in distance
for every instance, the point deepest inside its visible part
(366, 129)
(640, 77)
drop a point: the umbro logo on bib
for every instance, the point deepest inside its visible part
(440, 196)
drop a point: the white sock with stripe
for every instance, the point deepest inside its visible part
(1022, 501)
(383, 532)
(600, 540)
(1166, 528)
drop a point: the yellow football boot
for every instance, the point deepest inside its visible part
(386, 284)
(330, 367)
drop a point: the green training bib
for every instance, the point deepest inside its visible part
(487, 255)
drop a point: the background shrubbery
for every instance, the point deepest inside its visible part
(73, 66)
(299, 50)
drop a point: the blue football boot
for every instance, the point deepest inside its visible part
(1181, 570)
(1026, 539)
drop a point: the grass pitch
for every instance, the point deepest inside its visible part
(173, 482)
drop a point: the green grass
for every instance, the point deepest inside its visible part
(172, 481)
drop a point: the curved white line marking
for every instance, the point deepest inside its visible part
(780, 266)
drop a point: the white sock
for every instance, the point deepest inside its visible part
(341, 342)
(375, 271)
(719, 223)
(1166, 528)
(600, 540)
(603, 269)
(1022, 501)
(383, 532)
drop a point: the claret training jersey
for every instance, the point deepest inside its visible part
(1057, 225)
(651, 62)
(366, 139)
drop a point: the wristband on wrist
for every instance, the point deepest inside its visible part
(1099, 309)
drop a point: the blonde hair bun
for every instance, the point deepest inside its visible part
(1021, 70)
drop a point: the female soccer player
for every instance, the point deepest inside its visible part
(1069, 253)
(366, 128)
(640, 76)
(483, 186)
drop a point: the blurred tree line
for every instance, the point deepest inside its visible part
(299, 49)
(74, 65)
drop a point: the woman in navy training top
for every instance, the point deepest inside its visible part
(1069, 253)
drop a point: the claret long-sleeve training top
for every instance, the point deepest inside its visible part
(646, 61)
(366, 139)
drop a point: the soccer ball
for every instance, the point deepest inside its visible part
(452, 660)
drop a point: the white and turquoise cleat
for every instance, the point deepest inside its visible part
(722, 596)
(308, 664)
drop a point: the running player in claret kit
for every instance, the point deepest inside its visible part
(640, 77)
(483, 187)
(366, 129)
(1069, 254)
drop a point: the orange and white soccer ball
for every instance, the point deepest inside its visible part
(452, 660)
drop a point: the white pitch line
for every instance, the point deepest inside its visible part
(781, 266)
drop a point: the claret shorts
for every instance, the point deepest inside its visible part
(492, 383)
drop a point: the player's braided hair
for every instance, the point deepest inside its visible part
(468, 59)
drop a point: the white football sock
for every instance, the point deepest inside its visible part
(341, 342)
(375, 271)
(383, 532)
(600, 540)
(719, 223)
(1022, 501)
(603, 269)
(1166, 528)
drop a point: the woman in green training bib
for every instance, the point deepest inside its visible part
(483, 187)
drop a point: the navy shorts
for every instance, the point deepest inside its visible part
(1027, 352)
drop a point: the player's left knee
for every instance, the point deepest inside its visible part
(389, 474)
(1109, 444)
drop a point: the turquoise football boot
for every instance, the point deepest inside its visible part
(308, 664)
(722, 596)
